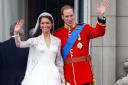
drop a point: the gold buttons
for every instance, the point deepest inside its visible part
(71, 52)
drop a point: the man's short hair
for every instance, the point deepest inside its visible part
(66, 7)
(12, 27)
(21, 33)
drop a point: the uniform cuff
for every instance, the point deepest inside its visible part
(102, 20)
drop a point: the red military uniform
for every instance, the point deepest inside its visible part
(79, 73)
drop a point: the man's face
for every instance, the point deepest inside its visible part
(68, 17)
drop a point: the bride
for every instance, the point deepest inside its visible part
(45, 64)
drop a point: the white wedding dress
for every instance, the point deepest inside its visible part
(45, 64)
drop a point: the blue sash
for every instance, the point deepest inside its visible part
(71, 40)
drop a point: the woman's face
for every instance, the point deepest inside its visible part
(45, 25)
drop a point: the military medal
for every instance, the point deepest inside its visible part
(79, 45)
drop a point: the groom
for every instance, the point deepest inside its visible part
(75, 39)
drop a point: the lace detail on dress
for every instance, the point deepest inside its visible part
(22, 44)
(59, 63)
(36, 42)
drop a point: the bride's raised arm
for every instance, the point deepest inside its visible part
(22, 44)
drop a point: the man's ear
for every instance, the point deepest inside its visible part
(62, 17)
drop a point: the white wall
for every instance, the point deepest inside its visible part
(122, 39)
(104, 48)
(10, 12)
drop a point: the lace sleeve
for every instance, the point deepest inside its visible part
(22, 44)
(59, 63)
